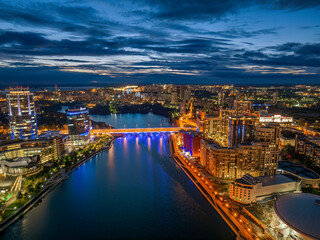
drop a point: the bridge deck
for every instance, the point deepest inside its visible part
(135, 130)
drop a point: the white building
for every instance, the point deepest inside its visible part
(250, 189)
(275, 118)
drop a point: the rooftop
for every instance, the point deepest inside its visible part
(265, 180)
(300, 211)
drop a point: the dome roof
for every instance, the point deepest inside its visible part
(300, 211)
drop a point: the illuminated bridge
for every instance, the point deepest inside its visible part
(99, 132)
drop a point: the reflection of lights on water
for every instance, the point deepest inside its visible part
(149, 143)
(125, 143)
(160, 145)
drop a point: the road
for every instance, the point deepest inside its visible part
(220, 202)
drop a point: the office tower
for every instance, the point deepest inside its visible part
(242, 107)
(22, 114)
(78, 124)
(241, 129)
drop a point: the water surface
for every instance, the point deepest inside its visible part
(132, 191)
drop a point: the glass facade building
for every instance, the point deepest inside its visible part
(22, 114)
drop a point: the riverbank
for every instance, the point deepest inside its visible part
(51, 184)
(201, 189)
(216, 201)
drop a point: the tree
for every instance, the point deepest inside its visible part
(19, 195)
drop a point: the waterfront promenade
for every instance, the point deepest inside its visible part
(218, 202)
(50, 185)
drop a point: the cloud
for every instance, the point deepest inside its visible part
(215, 9)
(149, 40)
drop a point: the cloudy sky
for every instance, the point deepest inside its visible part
(159, 41)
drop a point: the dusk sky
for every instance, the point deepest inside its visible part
(154, 41)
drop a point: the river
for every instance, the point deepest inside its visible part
(132, 191)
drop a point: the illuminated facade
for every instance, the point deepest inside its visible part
(50, 149)
(78, 125)
(242, 107)
(276, 118)
(191, 142)
(241, 129)
(22, 114)
(201, 121)
(310, 149)
(256, 158)
(249, 189)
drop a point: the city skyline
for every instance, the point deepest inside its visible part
(146, 42)
(222, 161)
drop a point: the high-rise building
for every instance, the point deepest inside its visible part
(183, 92)
(304, 146)
(225, 114)
(22, 114)
(213, 127)
(255, 158)
(221, 96)
(269, 134)
(241, 129)
(201, 121)
(78, 124)
(242, 107)
(191, 142)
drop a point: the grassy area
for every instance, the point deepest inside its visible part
(310, 190)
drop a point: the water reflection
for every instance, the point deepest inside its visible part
(133, 190)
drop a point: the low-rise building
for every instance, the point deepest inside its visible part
(50, 149)
(249, 189)
(22, 165)
(276, 118)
